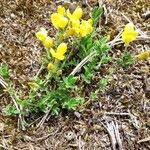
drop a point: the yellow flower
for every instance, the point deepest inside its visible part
(69, 32)
(58, 19)
(50, 66)
(74, 22)
(48, 42)
(61, 50)
(34, 86)
(129, 34)
(61, 10)
(143, 56)
(76, 15)
(73, 28)
(41, 34)
(86, 27)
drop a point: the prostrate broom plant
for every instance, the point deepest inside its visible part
(72, 55)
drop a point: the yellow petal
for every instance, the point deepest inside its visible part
(63, 22)
(143, 55)
(58, 20)
(53, 53)
(129, 26)
(59, 56)
(129, 34)
(61, 10)
(90, 21)
(41, 34)
(62, 48)
(69, 15)
(77, 14)
(85, 28)
(69, 32)
(33, 85)
(76, 23)
(50, 66)
(55, 19)
(48, 42)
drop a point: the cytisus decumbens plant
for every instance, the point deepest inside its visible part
(74, 54)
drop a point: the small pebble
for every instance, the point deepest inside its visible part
(77, 114)
(13, 16)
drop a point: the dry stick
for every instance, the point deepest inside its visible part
(4, 84)
(114, 113)
(146, 15)
(6, 148)
(144, 140)
(118, 135)
(86, 1)
(117, 38)
(112, 129)
(132, 117)
(83, 62)
(46, 136)
(43, 119)
(111, 135)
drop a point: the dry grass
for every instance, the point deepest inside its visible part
(127, 96)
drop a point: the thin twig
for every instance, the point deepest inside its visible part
(146, 15)
(43, 119)
(86, 1)
(3, 83)
(113, 131)
(114, 113)
(144, 140)
(83, 62)
(134, 120)
(45, 137)
(6, 148)
(111, 135)
(117, 134)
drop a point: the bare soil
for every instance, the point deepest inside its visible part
(123, 109)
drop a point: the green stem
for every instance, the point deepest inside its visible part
(126, 47)
(76, 42)
(50, 74)
(39, 71)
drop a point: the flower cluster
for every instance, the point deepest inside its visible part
(72, 23)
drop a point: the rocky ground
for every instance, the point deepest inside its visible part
(118, 119)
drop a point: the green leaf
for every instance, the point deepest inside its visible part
(103, 83)
(94, 95)
(96, 14)
(4, 70)
(10, 110)
(88, 74)
(126, 60)
(70, 81)
(55, 110)
(101, 46)
(105, 59)
(72, 103)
